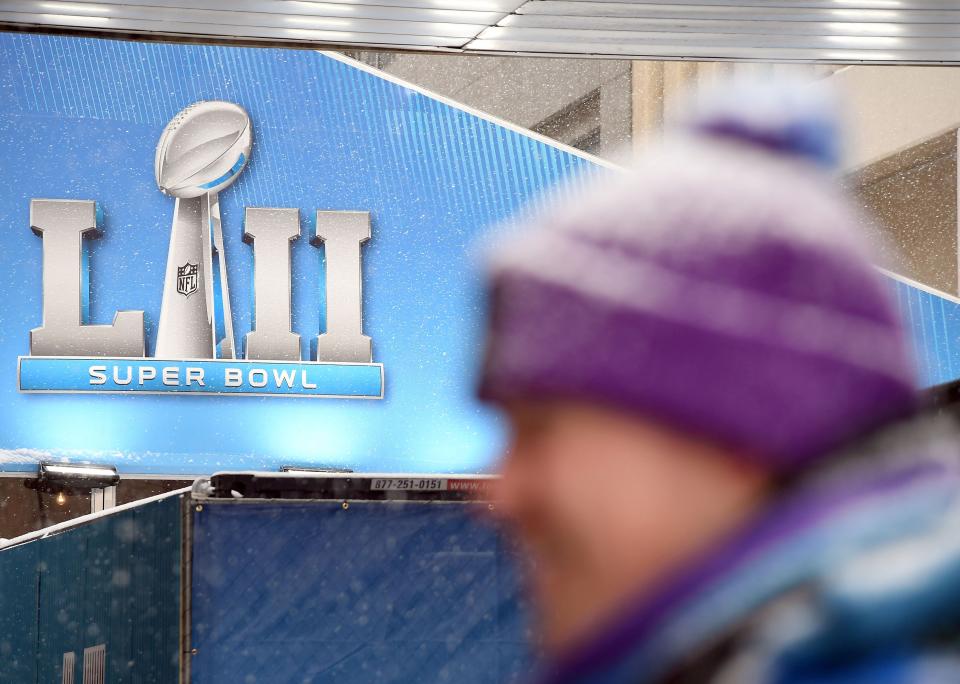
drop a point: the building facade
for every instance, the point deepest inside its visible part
(900, 160)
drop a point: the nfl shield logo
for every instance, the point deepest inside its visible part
(187, 279)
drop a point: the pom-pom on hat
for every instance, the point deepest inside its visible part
(790, 117)
(721, 286)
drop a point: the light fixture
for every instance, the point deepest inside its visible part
(313, 470)
(65, 476)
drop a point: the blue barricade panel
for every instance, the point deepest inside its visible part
(113, 582)
(379, 592)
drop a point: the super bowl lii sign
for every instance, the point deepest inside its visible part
(200, 153)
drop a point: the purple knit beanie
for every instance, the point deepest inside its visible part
(722, 286)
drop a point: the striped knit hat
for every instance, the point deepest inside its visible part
(721, 286)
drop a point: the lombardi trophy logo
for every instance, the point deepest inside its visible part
(201, 151)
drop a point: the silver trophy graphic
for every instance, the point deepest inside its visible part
(201, 151)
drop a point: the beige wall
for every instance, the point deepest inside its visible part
(893, 108)
(901, 162)
(913, 198)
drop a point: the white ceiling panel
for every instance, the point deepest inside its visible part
(847, 31)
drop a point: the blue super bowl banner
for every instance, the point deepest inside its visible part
(219, 257)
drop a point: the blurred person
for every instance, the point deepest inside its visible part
(718, 466)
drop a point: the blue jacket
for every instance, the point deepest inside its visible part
(851, 575)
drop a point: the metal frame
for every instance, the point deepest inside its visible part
(103, 498)
(186, 586)
(252, 486)
(851, 32)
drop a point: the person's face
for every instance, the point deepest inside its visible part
(606, 504)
